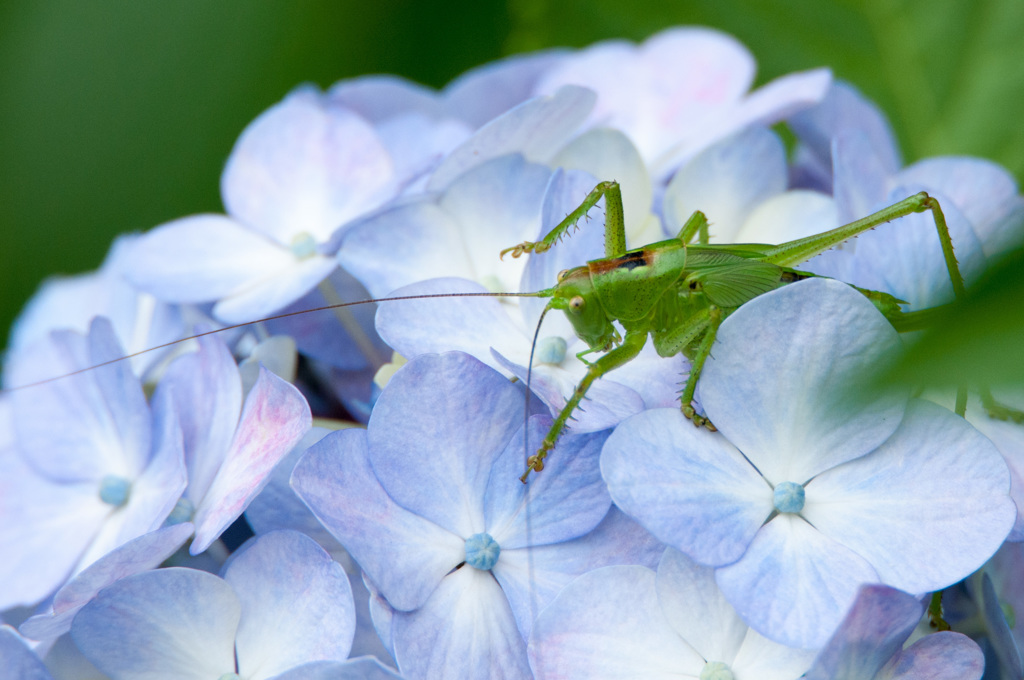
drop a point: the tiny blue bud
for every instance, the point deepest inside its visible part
(482, 552)
(789, 497)
(716, 670)
(551, 350)
(115, 490)
(182, 512)
(303, 245)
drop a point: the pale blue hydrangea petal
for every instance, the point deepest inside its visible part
(941, 656)
(202, 258)
(18, 661)
(336, 481)
(485, 92)
(845, 109)
(1004, 569)
(873, 630)
(174, 623)
(700, 614)
(792, 406)
(273, 289)
(608, 623)
(278, 507)
(794, 583)
(465, 415)
(565, 500)
(537, 128)
(532, 578)
(788, 216)
(726, 182)
(997, 629)
(1008, 438)
(207, 391)
(464, 630)
(689, 487)
(860, 176)
(305, 166)
(363, 668)
(274, 418)
(135, 556)
(377, 98)
(927, 508)
(45, 529)
(296, 602)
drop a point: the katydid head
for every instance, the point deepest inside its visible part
(576, 295)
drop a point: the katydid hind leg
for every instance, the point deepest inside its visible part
(621, 355)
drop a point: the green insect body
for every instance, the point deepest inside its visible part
(678, 292)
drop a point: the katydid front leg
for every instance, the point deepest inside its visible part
(614, 224)
(623, 354)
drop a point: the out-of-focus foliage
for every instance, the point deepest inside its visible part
(118, 116)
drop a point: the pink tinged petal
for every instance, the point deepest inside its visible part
(138, 555)
(467, 413)
(18, 661)
(872, 632)
(207, 392)
(794, 583)
(608, 624)
(940, 656)
(926, 509)
(296, 605)
(793, 407)
(403, 554)
(727, 181)
(465, 630)
(689, 487)
(174, 623)
(44, 529)
(305, 166)
(536, 129)
(274, 418)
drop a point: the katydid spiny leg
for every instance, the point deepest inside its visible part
(614, 231)
(697, 365)
(623, 354)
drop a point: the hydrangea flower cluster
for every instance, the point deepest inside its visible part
(374, 456)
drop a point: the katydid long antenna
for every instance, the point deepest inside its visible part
(275, 317)
(529, 377)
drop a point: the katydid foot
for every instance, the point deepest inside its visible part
(698, 421)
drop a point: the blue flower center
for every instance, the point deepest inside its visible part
(115, 490)
(482, 552)
(551, 350)
(789, 497)
(182, 512)
(303, 245)
(716, 670)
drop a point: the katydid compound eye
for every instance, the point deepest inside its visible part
(562, 274)
(576, 302)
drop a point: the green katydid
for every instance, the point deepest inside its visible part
(679, 293)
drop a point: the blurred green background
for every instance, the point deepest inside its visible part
(118, 115)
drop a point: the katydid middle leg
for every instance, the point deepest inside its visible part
(621, 355)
